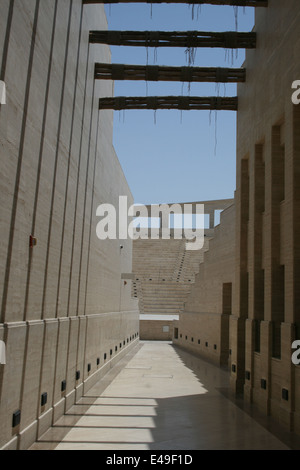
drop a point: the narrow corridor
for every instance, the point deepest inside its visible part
(160, 397)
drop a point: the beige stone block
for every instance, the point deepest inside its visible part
(70, 399)
(72, 354)
(44, 422)
(156, 330)
(79, 392)
(11, 445)
(91, 381)
(31, 380)
(10, 134)
(28, 436)
(61, 358)
(48, 364)
(59, 409)
(296, 419)
(15, 339)
(81, 347)
(3, 22)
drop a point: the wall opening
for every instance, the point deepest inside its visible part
(244, 221)
(257, 336)
(278, 270)
(227, 298)
(278, 310)
(296, 215)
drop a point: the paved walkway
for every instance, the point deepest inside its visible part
(159, 397)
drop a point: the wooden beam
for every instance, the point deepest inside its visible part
(169, 102)
(186, 39)
(238, 3)
(169, 74)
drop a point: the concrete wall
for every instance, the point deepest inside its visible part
(154, 330)
(203, 327)
(63, 304)
(205, 335)
(266, 301)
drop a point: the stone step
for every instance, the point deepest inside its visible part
(166, 298)
(147, 294)
(162, 310)
(158, 295)
(163, 304)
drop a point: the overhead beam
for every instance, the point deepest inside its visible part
(169, 74)
(169, 102)
(187, 39)
(238, 3)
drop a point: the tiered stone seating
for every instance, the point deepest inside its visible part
(164, 272)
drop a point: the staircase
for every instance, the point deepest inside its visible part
(164, 272)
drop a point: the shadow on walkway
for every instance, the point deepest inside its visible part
(161, 397)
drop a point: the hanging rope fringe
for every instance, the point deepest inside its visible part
(165, 73)
(170, 102)
(186, 39)
(238, 3)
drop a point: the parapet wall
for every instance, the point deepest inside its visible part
(203, 326)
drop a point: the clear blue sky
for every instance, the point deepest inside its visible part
(174, 156)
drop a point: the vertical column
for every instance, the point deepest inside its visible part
(256, 273)
(211, 214)
(296, 215)
(240, 311)
(296, 224)
(17, 157)
(263, 376)
(289, 409)
(274, 271)
(278, 270)
(7, 7)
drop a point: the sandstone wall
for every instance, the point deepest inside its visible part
(266, 303)
(203, 327)
(63, 304)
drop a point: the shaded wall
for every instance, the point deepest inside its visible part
(203, 327)
(156, 330)
(266, 317)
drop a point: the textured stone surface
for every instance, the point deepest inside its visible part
(203, 326)
(63, 302)
(267, 205)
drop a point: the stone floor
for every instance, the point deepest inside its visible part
(160, 397)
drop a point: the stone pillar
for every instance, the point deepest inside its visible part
(256, 274)
(287, 403)
(237, 346)
(240, 291)
(265, 366)
(211, 214)
(249, 360)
